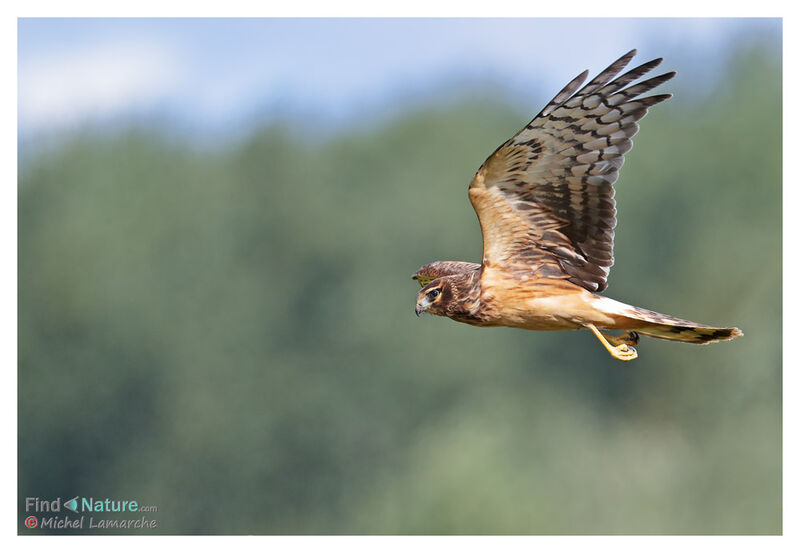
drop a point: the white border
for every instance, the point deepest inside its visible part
(318, 8)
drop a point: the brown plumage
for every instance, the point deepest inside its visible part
(545, 202)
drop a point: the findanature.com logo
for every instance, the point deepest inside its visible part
(57, 518)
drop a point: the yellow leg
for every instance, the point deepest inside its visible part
(621, 351)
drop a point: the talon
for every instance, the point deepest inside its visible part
(624, 353)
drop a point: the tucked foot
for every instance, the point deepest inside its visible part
(623, 344)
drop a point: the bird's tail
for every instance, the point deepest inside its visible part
(667, 327)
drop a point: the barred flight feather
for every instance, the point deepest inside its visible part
(565, 162)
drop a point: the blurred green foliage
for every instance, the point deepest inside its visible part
(228, 333)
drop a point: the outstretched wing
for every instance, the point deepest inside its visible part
(545, 198)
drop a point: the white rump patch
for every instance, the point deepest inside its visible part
(614, 307)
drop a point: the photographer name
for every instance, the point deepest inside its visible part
(66, 522)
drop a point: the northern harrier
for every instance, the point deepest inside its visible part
(545, 202)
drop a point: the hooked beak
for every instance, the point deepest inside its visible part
(422, 305)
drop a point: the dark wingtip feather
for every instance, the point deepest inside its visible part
(608, 73)
(627, 78)
(650, 101)
(619, 64)
(565, 93)
(573, 84)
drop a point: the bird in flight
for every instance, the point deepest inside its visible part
(545, 202)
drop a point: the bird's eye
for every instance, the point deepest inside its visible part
(433, 294)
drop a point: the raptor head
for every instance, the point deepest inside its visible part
(434, 297)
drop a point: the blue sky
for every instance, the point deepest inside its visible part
(223, 74)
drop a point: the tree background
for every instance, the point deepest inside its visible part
(226, 331)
